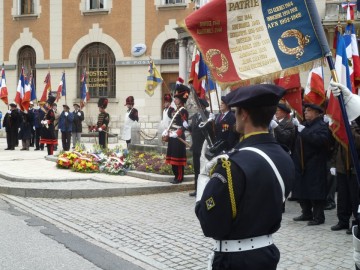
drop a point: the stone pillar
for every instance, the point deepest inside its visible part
(182, 58)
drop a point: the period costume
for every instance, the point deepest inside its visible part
(241, 206)
(65, 126)
(103, 123)
(48, 128)
(176, 151)
(131, 117)
(11, 124)
(77, 124)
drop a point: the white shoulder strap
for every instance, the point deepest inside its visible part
(271, 163)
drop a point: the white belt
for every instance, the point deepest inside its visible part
(243, 244)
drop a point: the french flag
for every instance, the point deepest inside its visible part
(194, 74)
(61, 91)
(315, 91)
(333, 109)
(353, 54)
(3, 88)
(349, 7)
(23, 92)
(84, 90)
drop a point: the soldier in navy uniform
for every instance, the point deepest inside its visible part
(103, 122)
(198, 138)
(224, 127)
(176, 151)
(48, 127)
(11, 124)
(241, 205)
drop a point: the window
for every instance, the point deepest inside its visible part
(167, 2)
(170, 50)
(96, 4)
(99, 62)
(27, 59)
(26, 7)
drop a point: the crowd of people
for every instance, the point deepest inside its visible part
(39, 126)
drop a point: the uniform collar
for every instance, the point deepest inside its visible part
(252, 134)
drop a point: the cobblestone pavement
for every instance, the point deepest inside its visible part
(161, 231)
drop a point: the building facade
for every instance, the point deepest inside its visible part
(112, 40)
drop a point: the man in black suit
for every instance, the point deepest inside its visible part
(11, 124)
(198, 138)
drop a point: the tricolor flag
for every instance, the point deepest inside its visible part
(3, 88)
(194, 77)
(61, 91)
(153, 79)
(352, 52)
(23, 93)
(85, 96)
(32, 87)
(47, 89)
(205, 76)
(247, 41)
(333, 109)
(349, 7)
(315, 91)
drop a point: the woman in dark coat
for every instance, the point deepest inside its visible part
(310, 158)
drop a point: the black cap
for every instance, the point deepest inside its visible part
(314, 107)
(259, 95)
(203, 102)
(66, 106)
(283, 107)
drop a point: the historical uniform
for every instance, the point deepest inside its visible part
(48, 128)
(103, 123)
(77, 124)
(131, 116)
(176, 151)
(11, 124)
(241, 206)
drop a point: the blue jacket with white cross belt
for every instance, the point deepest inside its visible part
(246, 201)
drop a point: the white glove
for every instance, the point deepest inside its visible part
(173, 134)
(33, 127)
(211, 116)
(100, 129)
(66, 113)
(9, 111)
(300, 128)
(326, 118)
(337, 88)
(165, 133)
(79, 114)
(295, 121)
(273, 124)
(333, 171)
(209, 165)
(185, 124)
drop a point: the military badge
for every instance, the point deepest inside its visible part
(210, 203)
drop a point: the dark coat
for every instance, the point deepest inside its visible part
(77, 122)
(197, 134)
(312, 150)
(39, 115)
(12, 121)
(224, 130)
(66, 122)
(285, 133)
(26, 127)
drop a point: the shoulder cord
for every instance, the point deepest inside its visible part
(172, 120)
(226, 165)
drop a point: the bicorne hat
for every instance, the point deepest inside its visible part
(102, 103)
(51, 100)
(182, 92)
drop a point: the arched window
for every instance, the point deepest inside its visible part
(99, 62)
(27, 59)
(170, 50)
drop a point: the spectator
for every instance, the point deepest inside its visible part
(65, 126)
(77, 124)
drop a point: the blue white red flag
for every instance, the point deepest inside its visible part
(85, 96)
(353, 56)
(315, 90)
(194, 74)
(333, 109)
(3, 88)
(247, 40)
(61, 91)
(32, 87)
(23, 94)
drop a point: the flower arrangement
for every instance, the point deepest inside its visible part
(86, 164)
(66, 159)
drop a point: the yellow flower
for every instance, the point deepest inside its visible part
(141, 155)
(88, 164)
